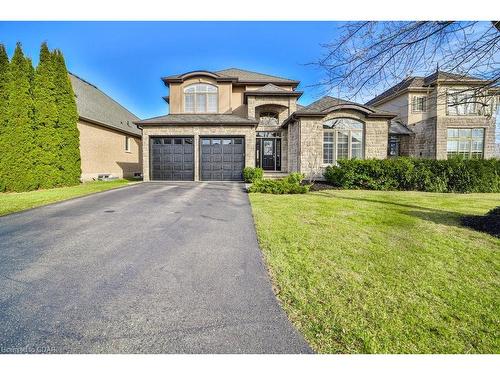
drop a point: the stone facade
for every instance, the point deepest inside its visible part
(422, 144)
(310, 136)
(248, 132)
(283, 107)
(486, 122)
(293, 135)
(430, 126)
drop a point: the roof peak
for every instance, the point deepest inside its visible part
(421, 82)
(236, 74)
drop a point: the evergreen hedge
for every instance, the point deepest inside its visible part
(39, 138)
(455, 175)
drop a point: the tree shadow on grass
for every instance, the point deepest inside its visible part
(421, 212)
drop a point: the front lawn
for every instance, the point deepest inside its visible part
(384, 272)
(13, 202)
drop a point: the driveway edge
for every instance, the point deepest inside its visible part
(71, 199)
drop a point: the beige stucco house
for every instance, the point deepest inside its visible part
(223, 121)
(110, 142)
(447, 114)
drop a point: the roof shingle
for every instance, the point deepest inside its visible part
(95, 106)
(327, 102)
(249, 76)
(197, 119)
(421, 82)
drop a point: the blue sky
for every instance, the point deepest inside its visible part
(127, 59)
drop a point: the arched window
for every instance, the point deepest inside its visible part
(201, 98)
(268, 119)
(342, 139)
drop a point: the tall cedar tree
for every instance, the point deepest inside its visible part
(4, 70)
(17, 147)
(66, 126)
(46, 153)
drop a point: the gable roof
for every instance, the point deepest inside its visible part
(233, 75)
(328, 104)
(418, 82)
(249, 76)
(271, 88)
(96, 107)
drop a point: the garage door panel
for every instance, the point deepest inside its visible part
(222, 158)
(172, 158)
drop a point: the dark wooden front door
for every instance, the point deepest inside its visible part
(268, 154)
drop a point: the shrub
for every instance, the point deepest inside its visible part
(288, 185)
(252, 174)
(454, 175)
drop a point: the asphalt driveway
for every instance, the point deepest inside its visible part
(151, 268)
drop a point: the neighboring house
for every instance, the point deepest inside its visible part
(110, 142)
(222, 121)
(447, 115)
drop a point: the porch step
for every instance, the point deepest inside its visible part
(274, 175)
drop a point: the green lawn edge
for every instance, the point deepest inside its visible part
(17, 202)
(409, 279)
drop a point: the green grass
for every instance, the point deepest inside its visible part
(13, 202)
(383, 272)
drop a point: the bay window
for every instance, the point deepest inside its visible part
(201, 98)
(465, 142)
(342, 139)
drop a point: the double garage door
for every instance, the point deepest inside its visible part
(221, 159)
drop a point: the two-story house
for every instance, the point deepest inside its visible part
(447, 115)
(223, 121)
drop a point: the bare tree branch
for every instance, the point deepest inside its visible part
(374, 55)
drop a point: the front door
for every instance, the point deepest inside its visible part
(268, 154)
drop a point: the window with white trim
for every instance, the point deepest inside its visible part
(461, 103)
(419, 104)
(201, 98)
(342, 139)
(465, 142)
